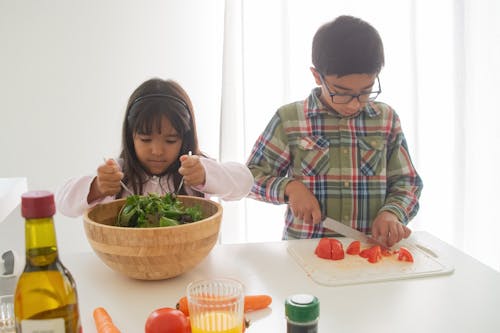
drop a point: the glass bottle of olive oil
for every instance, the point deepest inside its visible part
(46, 298)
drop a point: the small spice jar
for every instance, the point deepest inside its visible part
(302, 313)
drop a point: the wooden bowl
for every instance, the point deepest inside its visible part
(152, 253)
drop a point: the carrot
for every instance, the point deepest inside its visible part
(182, 305)
(257, 302)
(103, 322)
(252, 303)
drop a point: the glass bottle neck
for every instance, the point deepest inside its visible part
(41, 243)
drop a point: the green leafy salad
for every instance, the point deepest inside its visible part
(152, 211)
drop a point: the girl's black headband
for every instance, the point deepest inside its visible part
(164, 96)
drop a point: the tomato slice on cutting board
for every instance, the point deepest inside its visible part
(373, 254)
(329, 248)
(354, 248)
(337, 249)
(404, 254)
(332, 248)
(324, 249)
(386, 252)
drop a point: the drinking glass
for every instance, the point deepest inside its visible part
(7, 321)
(216, 306)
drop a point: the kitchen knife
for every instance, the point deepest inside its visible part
(350, 232)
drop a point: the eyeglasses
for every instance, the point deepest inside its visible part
(347, 98)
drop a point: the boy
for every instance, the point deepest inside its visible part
(339, 153)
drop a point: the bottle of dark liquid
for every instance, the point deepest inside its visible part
(302, 313)
(45, 298)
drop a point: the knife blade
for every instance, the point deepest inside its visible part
(344, 230)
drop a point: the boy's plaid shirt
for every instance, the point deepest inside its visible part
(356, 167)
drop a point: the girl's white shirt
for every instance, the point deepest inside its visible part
(228, 181)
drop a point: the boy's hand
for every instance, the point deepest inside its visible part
(302, 202)
(192, 170)
(388, 229)
(107, 181)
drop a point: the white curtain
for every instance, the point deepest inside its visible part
(441, 76)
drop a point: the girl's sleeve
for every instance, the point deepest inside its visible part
(228, 181)
(71, 198)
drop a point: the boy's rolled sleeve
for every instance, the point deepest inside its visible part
(404, 185)
(269, 163)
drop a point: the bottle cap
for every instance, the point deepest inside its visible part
(302, 308)
(37, 204)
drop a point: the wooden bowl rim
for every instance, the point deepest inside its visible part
(214, 216)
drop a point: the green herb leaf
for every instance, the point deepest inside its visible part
(153, 210)
(166, 222)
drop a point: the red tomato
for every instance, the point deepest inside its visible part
(386, 252)
(329, 248)
(373, 254)
(324, 249)
(404, 254)
(337, 249)
(167, 320)
(354, 248)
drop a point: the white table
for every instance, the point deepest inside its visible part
(468, 300)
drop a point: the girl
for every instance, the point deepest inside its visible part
(158, 133)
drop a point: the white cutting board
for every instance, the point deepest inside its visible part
(354, 269)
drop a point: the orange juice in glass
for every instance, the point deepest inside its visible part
(216, 306)
(222, 321)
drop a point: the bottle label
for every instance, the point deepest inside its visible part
(43, 326)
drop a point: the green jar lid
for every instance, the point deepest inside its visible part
(302, 308)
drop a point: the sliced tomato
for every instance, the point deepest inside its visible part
(373, 254)
(354, 248)
(329, 248)
(324, 249)
(386, 252)
(337, 249)
(364, 253)
(404, 254)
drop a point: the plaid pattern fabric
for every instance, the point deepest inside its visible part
(355, 166)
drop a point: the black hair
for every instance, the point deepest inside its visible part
(347, 45)
(152, 100)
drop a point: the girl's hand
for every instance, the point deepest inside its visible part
(388, 229)
(107, 181)
(192, 170)
(303, 203)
